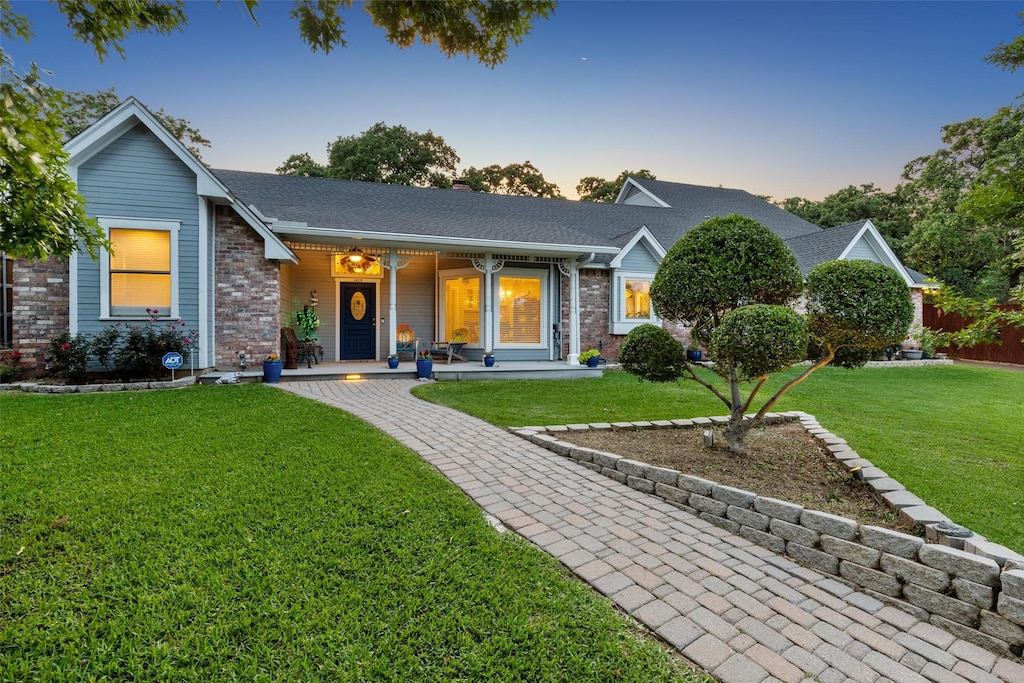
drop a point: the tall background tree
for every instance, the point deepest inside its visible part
(595, 189)
(383, 154)
(82, 109)
(523, 179)
(44, 215)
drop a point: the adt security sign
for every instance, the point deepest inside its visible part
(173, 360)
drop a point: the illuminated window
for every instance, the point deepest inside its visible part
(638, 299)
(519, 310)
(462, 306)
(631, 301)
(140, 271)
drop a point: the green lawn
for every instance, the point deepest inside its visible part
(242, 533)
(953, 435)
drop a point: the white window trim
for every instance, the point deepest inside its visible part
(545, 318)
(454, 274)
(108, 223)
(619, 323)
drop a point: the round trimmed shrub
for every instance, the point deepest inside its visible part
(722, 264)
(857, 305)
(652, 353)
(758, 340)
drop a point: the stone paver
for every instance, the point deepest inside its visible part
(739, 611)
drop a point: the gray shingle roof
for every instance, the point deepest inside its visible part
(692, 204)
(824, 245)
(347, 205)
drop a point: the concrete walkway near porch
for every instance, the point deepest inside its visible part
(741, 612)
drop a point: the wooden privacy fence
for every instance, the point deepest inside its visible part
(1010, 351)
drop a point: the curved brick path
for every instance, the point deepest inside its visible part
(741, 612)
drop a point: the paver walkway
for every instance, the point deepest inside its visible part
(741, 612)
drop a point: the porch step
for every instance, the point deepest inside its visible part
(442, 372)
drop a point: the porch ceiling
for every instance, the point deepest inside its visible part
(369, 241)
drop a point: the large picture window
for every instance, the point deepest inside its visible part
(138, 275)
(520, 310)
(462, 306)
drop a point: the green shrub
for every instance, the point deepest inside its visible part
(855, 307)
(722, 264)
(141, 348)
(652, 353)
(758, 340)
(68, 356)
(10, 364)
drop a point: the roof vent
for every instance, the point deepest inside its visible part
(461, 185)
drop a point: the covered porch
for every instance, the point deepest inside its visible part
(521, 303)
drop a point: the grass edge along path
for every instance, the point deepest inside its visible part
(952, 435)
(242, 533)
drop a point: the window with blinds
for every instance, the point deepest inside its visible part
(519, 310)
(140, 271)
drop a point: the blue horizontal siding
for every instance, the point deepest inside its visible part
(136, 176)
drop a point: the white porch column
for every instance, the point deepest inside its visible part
(393, 264)
(574, 313)
(488, 267)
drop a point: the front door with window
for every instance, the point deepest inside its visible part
(358, 321)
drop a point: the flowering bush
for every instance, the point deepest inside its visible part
(68, 356)
(130, 351)
(273, 357)
(308, 321)
(424, 354)
(10, 364)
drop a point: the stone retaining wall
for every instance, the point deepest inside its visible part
(953, 578)
(33, 388)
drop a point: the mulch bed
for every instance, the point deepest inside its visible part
(782, 461)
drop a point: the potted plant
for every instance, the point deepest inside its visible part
(424, 364)
(910, 349)
(308, 321)
(489, 359)
(693, 352)
(393, 361)
(272, 368)
(590, 358)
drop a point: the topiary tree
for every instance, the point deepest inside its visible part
(722, 264)
(731, 280)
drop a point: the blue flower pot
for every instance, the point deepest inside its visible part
(693, 355)
(424, 366)
(489, 361)
(271, 371)
(392, 363)
(593, 361)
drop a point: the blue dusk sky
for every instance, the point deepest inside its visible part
(776, 98)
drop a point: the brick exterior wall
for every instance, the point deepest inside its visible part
(40, 310)
(248, 294)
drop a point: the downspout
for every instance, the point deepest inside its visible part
(574, 307)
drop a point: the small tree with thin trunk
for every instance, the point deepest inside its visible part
(730, 280)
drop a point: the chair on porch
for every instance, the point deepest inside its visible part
(451, 349)
(407, 344)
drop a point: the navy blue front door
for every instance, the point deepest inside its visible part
(358, 321)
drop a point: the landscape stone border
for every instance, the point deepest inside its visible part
(34, 388)
(953, 578)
